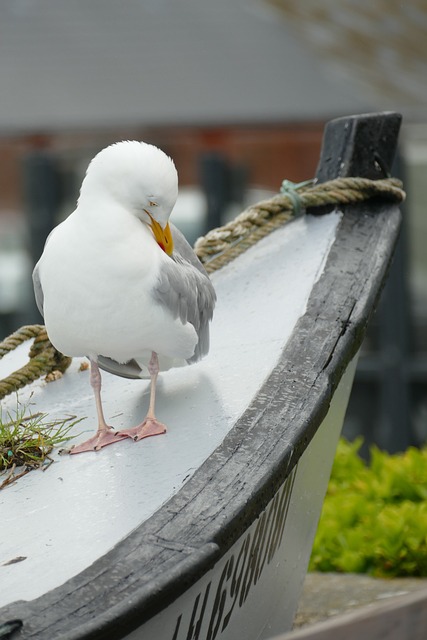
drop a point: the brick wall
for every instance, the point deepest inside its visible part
(269, 153)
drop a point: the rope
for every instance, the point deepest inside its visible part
(222, 245)
(44, 358)
(216, 249)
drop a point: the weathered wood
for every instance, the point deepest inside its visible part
(363, 145)
(402, 618)
(171, 550)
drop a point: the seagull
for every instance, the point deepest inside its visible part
(119, 284)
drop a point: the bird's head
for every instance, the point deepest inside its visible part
(142, 179)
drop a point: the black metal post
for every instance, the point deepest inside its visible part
(41, 190)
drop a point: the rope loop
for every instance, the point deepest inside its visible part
(44, 358)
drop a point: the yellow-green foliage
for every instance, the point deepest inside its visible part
(374, 517)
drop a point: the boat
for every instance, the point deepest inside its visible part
(206, 532)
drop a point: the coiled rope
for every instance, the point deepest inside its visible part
(216, 249)
(44, 358)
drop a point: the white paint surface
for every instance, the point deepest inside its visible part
(65, 518)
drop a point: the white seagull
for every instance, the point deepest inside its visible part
(119, 284)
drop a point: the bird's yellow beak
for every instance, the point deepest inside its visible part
(163, 236)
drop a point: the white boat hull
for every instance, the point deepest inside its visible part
(253, 591)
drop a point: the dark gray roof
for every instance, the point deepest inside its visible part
(66, 63)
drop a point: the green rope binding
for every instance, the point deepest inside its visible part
(219, 247)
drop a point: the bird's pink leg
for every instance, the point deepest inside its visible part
(150, 426)
(105, 434)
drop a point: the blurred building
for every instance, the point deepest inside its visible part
(224, 87)
(191, 75)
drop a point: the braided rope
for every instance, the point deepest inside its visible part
(44, 358)
(216, 249)
(220, 246)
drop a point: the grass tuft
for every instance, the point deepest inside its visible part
(27, 440)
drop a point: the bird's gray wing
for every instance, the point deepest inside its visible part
(184, 288)
(129, 369)
(38, 291)
(185, 250)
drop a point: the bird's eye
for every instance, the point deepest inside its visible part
(153, 204)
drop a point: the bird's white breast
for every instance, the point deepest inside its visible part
(97, 275)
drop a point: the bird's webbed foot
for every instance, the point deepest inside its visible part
(102, 438)
(150, 427)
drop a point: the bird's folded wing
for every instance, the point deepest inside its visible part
(129, 369)
(184, 289)
(38, 290)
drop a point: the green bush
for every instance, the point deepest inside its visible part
(374, 517)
